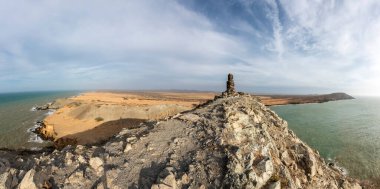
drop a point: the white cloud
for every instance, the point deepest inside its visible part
(277, 44)
(344, 33)
(309, 45)
(138, 35)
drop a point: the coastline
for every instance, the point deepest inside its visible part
(18, 120)
(84, 112)
(78, 116)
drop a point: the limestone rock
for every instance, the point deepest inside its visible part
(127, 148)
(131, 139)
(68, 159)
(286, 159)
(166, 180)
(114, 147)
(348, 185)
(4, 165)
(169, 183)
(77, 180)
(28, 182)
(3, 180)
(97, 164)
(189, 117)
(275, 185)
(81, 159)
(111, 176)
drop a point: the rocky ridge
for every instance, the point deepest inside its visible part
(233, 141)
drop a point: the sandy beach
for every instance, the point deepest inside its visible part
(82, 113)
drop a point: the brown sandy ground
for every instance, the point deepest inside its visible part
(81, 114)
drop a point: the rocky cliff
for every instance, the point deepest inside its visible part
(230, 142)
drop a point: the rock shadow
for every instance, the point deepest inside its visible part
(101, 133)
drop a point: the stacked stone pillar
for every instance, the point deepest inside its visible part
(230, 85)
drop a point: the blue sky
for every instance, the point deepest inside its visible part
(271, 46)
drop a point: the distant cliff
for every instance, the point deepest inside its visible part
(337, 96)
(270, 100)
(233, 141)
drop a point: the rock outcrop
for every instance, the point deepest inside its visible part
(232, 142)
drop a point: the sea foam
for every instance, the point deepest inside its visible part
(34, 138)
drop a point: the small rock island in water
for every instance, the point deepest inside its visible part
(232, 141)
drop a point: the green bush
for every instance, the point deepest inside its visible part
(99, 119)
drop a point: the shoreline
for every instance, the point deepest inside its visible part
(95, 109)
(80, 109)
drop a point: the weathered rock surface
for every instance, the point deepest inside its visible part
(231, 142)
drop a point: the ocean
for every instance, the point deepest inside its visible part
(346, 131)
(17, 118)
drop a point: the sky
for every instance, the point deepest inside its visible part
(271, 46)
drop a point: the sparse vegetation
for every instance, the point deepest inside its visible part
(74, 104)
(98, 119)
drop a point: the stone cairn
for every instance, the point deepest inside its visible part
(230, 85)
(230, 91)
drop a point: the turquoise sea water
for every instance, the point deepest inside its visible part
(16, 117)
(346, 131)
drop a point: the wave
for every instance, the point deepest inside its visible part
(50, 112)
(33, 109)
(333, 163)
(32, 129)
(34, 138)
